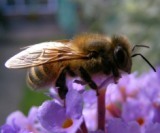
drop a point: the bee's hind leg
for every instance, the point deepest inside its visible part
(87, 78)
(61, 84)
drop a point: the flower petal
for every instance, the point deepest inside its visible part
(153, 128)
(117, 125)
(90, 110)
(7, 129)
(51, 115)
(74, 104)
(17, 120)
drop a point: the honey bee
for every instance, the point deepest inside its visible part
(83, 56)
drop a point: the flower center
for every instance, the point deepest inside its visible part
(140, 121)
(67, 123)
(114, 109)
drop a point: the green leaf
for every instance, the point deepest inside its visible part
(31, 98)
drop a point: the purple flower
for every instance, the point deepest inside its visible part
(58, 119)
(8, 129)
(135, 99)
(17, 122)
(117, 125)
(130, 106)
(90, 110)
(153, 128)
(139, 111)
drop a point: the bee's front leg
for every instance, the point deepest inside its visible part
(116, 74)
(87, 78)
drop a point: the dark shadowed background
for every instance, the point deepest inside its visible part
(27, 22)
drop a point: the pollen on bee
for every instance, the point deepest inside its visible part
(67, 123)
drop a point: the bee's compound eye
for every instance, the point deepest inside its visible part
(120, 57)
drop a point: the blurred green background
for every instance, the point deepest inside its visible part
(27, 22)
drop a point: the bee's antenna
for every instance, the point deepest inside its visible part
(145, 60)
(145, 46)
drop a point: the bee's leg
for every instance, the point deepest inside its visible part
(70, 72)
(116, 74)
(87, 78)
(61, 84)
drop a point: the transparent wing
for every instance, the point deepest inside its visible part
(42, 53)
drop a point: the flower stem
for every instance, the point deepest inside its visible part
(101, 109)
(83, 128)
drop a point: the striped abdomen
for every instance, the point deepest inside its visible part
(41, 76)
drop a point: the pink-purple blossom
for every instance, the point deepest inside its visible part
(130, 106)
(17, 122)
(60, 119)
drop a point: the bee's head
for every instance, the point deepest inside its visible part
(122, 53)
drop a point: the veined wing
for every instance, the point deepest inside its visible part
(43, 53)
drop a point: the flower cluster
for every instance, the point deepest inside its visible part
(131, 106)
